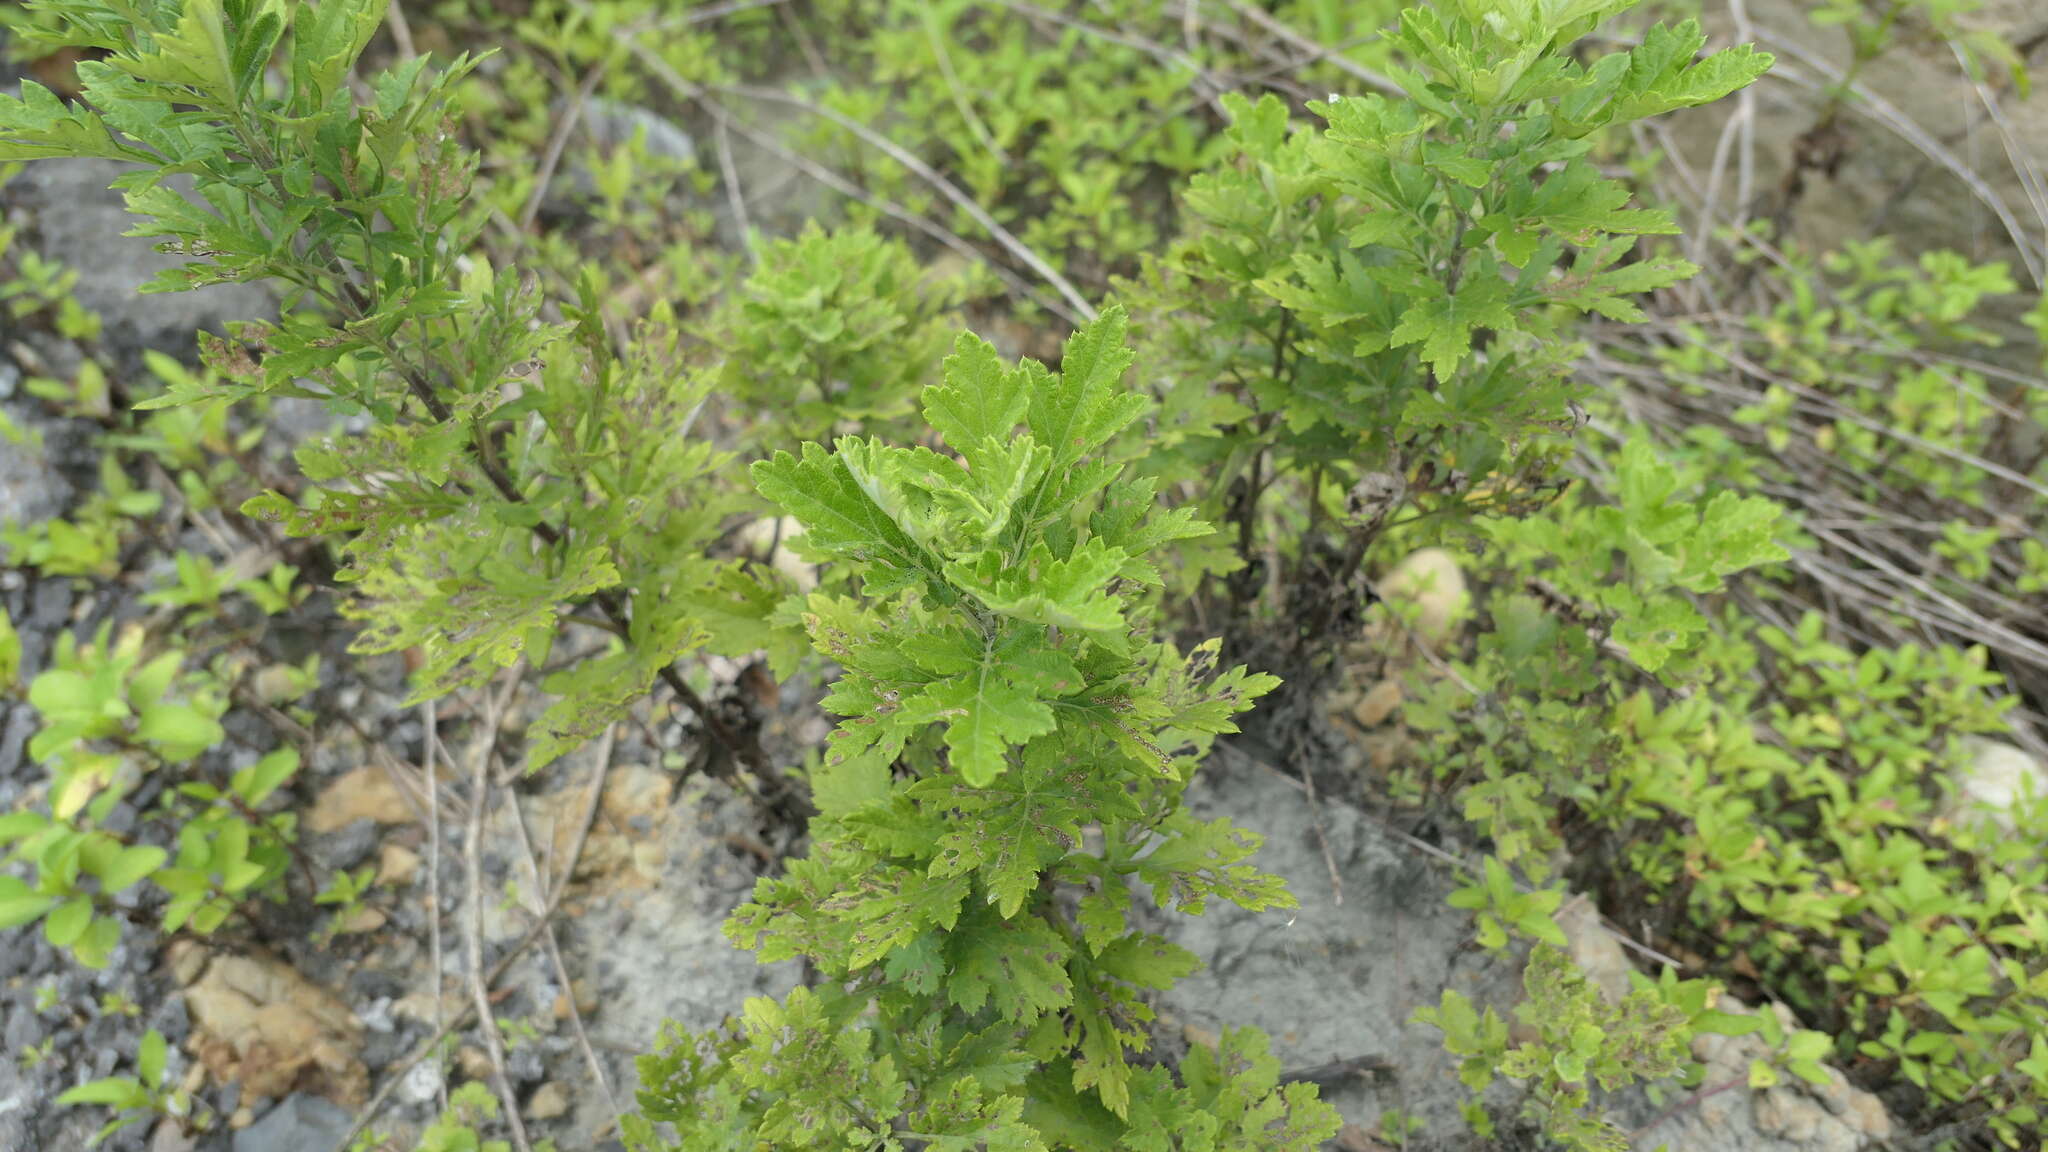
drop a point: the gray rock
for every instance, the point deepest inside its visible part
(524, 1064)
(172, 1019)
(299, 1123)
(17, 723)
(30, 488)
(662, 956)
(17, 1104)
(375, 984)
(612, 124)
(103, 1033)
(1593, 948)
(383, 1049)
(79, 221)
(346, 848)
(1333, 982)
(297, 418)
(17, 952)
(121, 819)
(421, 1083)
(24, 1028)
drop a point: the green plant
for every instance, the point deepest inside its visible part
(517, 1032)
(1581, 1040)
(469, 1107)
(89, 544)
(10, 654)
(344, 895)
(1012, 759)
(35, 1055)
(512, 471)
(146, 1095)
(32, 286)
(831, 330)
(1398, 1127)
(110, 716)
(1782, 808)
(1500, 907)
(1796, 1051)
(1870, 369)
(1379, 314)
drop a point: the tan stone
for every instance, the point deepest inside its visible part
(257, 1021)
(1352, 1138)
(364, 794)
(1380, 702)
(550, 1101)
(473, 1062)
(586, 1000)
(1594, 949)
(242, 1118)
(1428, 589)
(170, 1136)
(397, 865)
(1338, 705)
(1786, 1113)
(188, 961)
(632, 791)
(1835, 1117)
(772, 532)
(420, 1006)
(1866, 1114)
(363, 921)
(1384, 749)
(648, 859)
(277, 684)
(1993, 783)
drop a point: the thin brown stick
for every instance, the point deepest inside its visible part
(429, 715)
(848, 188)
(813, 59)
(1315, 823)
(540, 897)
(735, 196)
(955, 91)
(460, 1020)
(894, 151)
(1273, 27)
(401, 30)
(558, 142)
(1875, 107)
(473, 936)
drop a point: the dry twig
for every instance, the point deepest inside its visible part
(429, 715)
(544, 891)
(473, 942)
